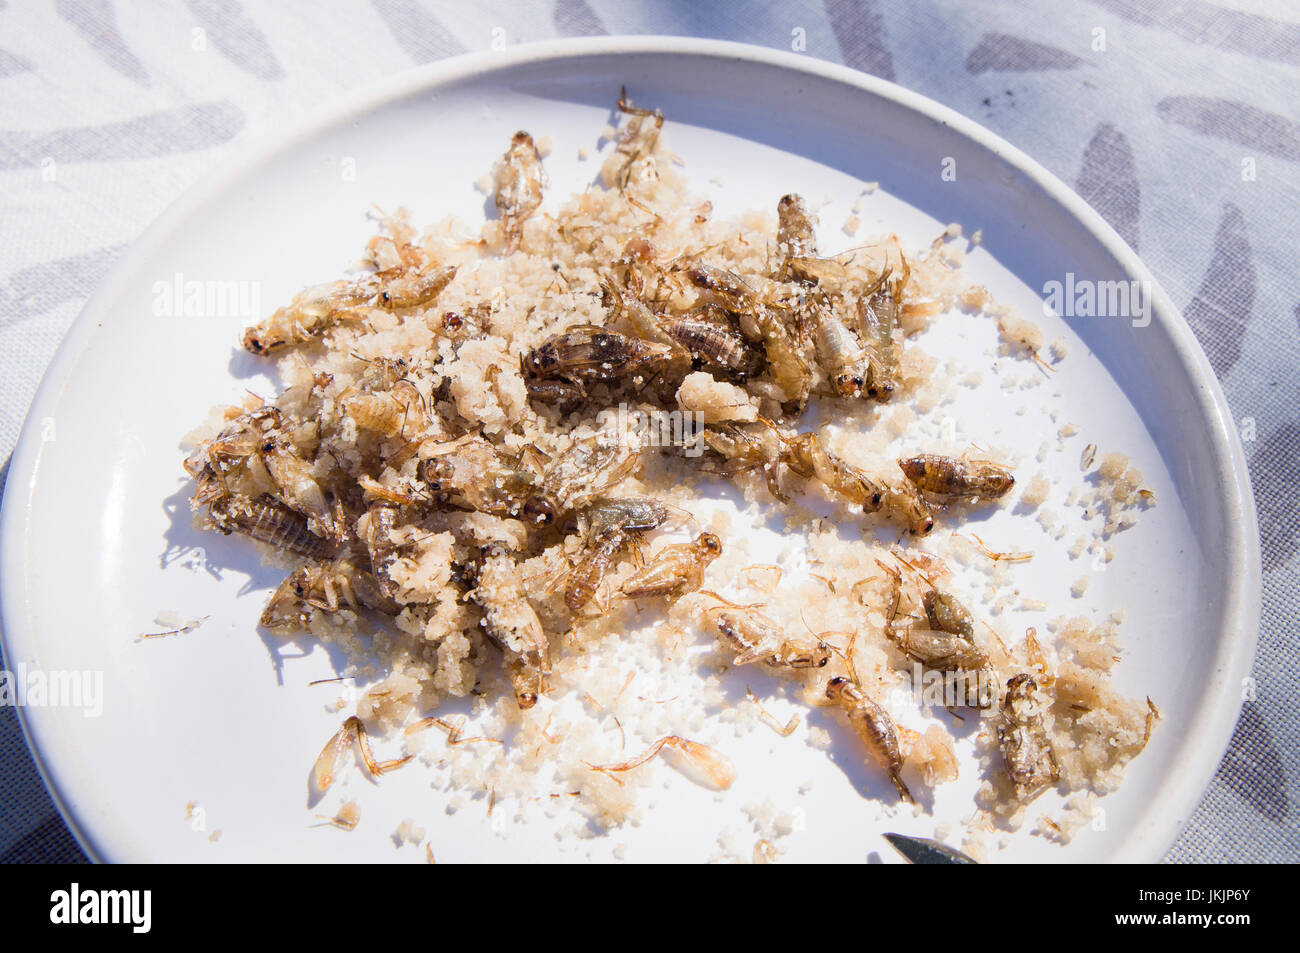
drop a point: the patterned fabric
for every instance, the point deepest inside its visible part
(1176, 119)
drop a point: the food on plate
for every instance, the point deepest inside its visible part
(491, 476)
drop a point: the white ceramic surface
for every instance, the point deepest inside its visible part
(95, 527)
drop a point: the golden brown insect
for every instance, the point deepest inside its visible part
(297, 485)
(474, 321)
(755, 637)
(269, 521)
(806, 455)
(877, 318)
(727, 288)
(841, 354)
(697, 761)
(353, 731)
(829, 273)
(946, 646)
(564, 366)
(398, 410)
(675, 569)
(394, 244)
(702, 337)
(1026, 750)
(902, 502)
(401, 290)
(327, 586)
(638, 139)
(941, 651)
(630, 515)
(214, 464)
(519, 186)
(607, 526)
(795, 236)
(377, 535)
(511, 623)
(946, 614)
(381, 373)
(760, 323)
(713, 343)
(310, 314)
(472, 470)
(874, 727)
(593, 565)
(951, 477)
(405, 493)
(588, 469)
(786, 364)
(746, 448)
(315, 310)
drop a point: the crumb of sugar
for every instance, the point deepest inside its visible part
(1036, 491)
(715, 401)
(408, 832)
(1019, 331)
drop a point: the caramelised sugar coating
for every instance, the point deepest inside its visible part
(447, 478)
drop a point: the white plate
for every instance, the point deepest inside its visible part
(95, 505)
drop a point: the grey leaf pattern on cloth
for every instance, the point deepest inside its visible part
(860, 31)
(237, 37)
(1275, 473)
(1001, 52)
(166, 132)
(1252, 767)
(1235, 122)
(97, 24)
(11, 64)
(36, 846)
(1221, 308)
(35, 290)
(417, 31)
(576, 18)
(25, 805)
(1210, 25)
(1109, 183)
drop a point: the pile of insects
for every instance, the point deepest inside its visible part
(443, 478)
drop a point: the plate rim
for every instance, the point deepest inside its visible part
(1179, 791)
